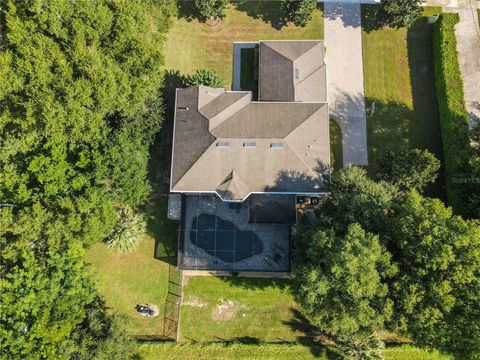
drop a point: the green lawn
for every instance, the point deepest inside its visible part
(128, 279)
(192, 45)
(267, 352)
(224, 309)
(233, 351)
(399, 79)
(336, 150)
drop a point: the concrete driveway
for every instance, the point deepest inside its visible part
(345, 84)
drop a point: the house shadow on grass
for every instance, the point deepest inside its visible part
(161, 151)
(163, 230)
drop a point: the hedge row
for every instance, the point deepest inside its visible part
(451, 106)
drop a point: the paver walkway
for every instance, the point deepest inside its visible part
(344, 59)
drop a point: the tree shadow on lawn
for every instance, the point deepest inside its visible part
(370, 19)
(163, 230)
(188, 11)
(426, 133)
(267, 11)
(161, 151)
(313, 338)
(255, 283)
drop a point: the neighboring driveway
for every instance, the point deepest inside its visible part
(468, 44)
(344, 59)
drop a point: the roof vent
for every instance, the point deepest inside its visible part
(249, 144)
(223, 144)
(276, 145)
(297, 74)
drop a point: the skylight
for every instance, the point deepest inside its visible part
(249, 144)
(223, 144)
(276, 145)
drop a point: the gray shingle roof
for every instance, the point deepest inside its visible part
(223, 140)
(292, 71)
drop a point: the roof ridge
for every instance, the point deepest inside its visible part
(310, 75)
(301, 160)
(280, 54)
(313, 113)
(196, 161)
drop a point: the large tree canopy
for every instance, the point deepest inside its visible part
(438, 255)
(79, 108)
(341, 282)
(436, 292)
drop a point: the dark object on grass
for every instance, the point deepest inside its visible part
(145, 310)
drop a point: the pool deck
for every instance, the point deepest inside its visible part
(273, 254)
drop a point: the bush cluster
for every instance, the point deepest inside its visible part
(453, 116)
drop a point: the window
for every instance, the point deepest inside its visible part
(276, 145)
(249, 144)
(223, 144)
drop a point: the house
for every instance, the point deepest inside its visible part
(240, 163)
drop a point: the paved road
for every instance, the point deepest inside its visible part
(344, 59)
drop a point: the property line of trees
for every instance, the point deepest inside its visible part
(462, 160)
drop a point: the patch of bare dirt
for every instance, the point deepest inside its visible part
(226, 311)
(195, 302)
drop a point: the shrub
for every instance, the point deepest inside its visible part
(399, 13)
(409, 169)
(205, 77)
(453, 116)
(126, 234)
(211, 9)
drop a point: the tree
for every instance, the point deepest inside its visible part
(409, 169)
(356, 198)
(45, 287)
(298, 12)
(436, 291)
(78, 110)
(100, 337)
(399, 13)
(205, 77)
(126, 234)
(341, 283)
(212, 10)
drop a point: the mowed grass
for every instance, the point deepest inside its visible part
(136, 277)
(232, 351)
(192, 45)
(336, 149)
(267, 352)
(399, 79)
(226, 309)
